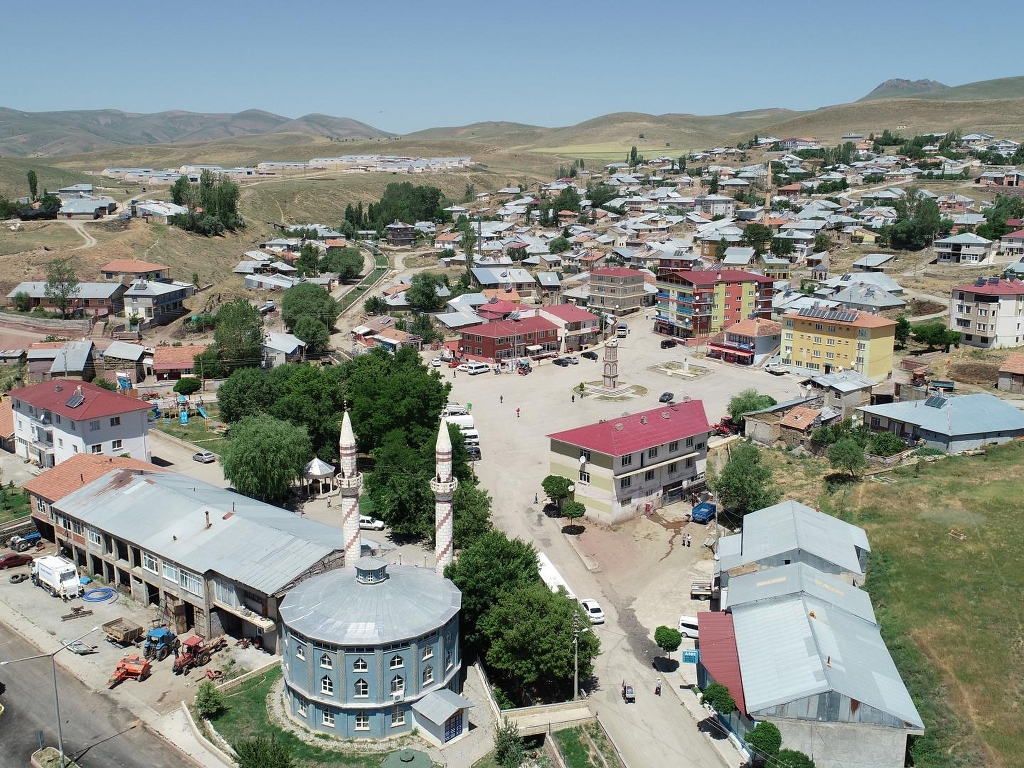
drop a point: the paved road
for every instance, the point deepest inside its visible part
(177, 458)
(97, 732)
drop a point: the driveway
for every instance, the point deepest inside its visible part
(176, 456)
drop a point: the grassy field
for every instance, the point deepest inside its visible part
(950, 609)
(14, 504)
(196, 431)
(586, 746)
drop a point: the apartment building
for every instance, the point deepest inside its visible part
(988, 312)
(508, 339)
(616, 290)
(819, 340)
(699, 303)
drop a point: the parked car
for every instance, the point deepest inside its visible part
(593, 609)
(688, 626)
(666, 397)
(590, 356)
(464, 367)
(473, 452)
(628, 696)
(572, 359)
(204, 457)
(14, 559)
(436, 362)
(368, 523)
(668, 343)
(561, 361)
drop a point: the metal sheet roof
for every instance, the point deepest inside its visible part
(959, 416)
(121, 350)
(165, 513)
(801, 647)
(799, 578)
(336, 608)
(441, 704)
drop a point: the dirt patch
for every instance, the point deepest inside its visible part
(975, 373)
(954, 516)
(917, 307)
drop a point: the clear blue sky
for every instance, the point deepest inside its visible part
(404, 65)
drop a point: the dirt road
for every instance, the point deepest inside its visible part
(80, 228)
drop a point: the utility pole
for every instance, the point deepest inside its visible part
(575, 655)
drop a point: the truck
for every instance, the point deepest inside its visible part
(551, 577)
(462, 421)
(57, 575)
(621, 330)
(703, 512)
(122, 632)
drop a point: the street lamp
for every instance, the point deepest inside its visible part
(56, 701)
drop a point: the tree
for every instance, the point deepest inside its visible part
(468, 194)
(207, 364)
(791, 758)
(346, 263)
(423, 291)
(509, 751)
(720, 248)
(487, 568)
(309, 260)
(209, 699)
(568, 200)
(747, 401)
(842, 430)
(188, 386)
(311, 300)
(903, 330)
(886, 444)
(822, 242)
(471, 514)
(239, 335)
(423, 326)
(746, 484)
(61, 284)
(245, 393)
(265, 456)
(757, 236)
(782, 246)
(713, 184)
(375, 305)
(668, 639)
(33, 185)
(847, 456)
(261, 752)
(105, 384)
(314, 333)
(528, 637)
(22, 301)
(560, 244)
(717, 696)
(572, 511)
(935, 334)
(557, 488)
(765, 739)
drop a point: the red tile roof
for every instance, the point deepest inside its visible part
(1014, 364)
(1019, 234)
(755, 328)
(718, 653)
(713, 276)
(615, 272)
(79, 470)
(1002, 288)
(570, 313)
(799, 418)
(54, 395)
(173, 358)
(6, 418)
(502, 328)
(132, 266)
(638, 431)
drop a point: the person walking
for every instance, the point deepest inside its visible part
(536, 499)
(657, 687)
(689, 540)
(574, 397)
(501, 398)
(517, 413)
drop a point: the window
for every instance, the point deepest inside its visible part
(170, 572)
(94, 536)
(397, 662)
(584, 476)
(56, 418)
(300, 651)
(627, 460)
(689, 442)
(74, 449)
(830, 355)
(447, 659)
(397, 717)
(300, 705)
(115, 421)
(673, 446)
(328, 718)
(649, 475)
(362, 689)
(875, 421)
(115, 445)
(830, 342)
(818, 326)
(94, 425)
(40, 506)
(397, 685)
(689, 462)
(74, 427)
(817, 339)
(360, 665)
(362, 722)
(190, 583)
(149, 562)
(585, 454)
(652, 453)
(428, 652)
(325, 661)
(98, 448)
(428, 675)
(327, 685)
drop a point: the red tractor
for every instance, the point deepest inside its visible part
(196, 652)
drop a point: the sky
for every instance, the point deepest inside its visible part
(406, 65)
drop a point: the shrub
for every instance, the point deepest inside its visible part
(717, 697)
(765, 739)
(209, 699)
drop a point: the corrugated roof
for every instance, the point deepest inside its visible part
(72, 357)
(441, 704)
(976, 414)
(795, 579)
(132, 266)
(335, 608)
(253, 543)
(793, 649)
(78, 471)
(718, 652)
(638, 431)
(122, 350)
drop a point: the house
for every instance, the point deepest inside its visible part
(171, 363)
(58, 419)
(617, 290)
(988, 312)
(6, 424)
(504, 277)
(71, 360)
(157, 302)
(509, 339)
(130, 270)
(380, 332)
(965, 248)
(86, 207)
(157, 210)
(873, 262)
(862, 236)
(699, 303)
(951, 424)
(577, 328)
(281, 348)
(818, 339)
(842, 391)
(90, 299)
(748, 342)
(1012, 243)
(126, 360)
(400, 235)
(796, 426)
(867, 298)
(629, 466)
(1011, 375)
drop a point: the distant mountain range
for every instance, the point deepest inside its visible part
(54, 134)
(899, 88)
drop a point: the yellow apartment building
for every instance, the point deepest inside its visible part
(825, 340)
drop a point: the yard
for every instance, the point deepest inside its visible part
(14, 503)
(198, 430)
(946, 583)
(586, 746)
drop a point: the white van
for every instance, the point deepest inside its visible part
(688, 626)
(474, 368)
(463, 422)
(471, 436)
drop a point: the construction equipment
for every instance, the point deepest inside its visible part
(196, 652)
(160, 643)
(76, 613)
(130, 667)
(122, 632)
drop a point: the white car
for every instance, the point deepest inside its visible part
(464, 367)
(368, 523)
(593, 610)
(572, 359)
(436, 362)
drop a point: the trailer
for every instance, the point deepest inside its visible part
(196, 652)
(704, 589)
(130, 668)
(122, 632)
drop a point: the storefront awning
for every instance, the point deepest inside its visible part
(534, 348)
(731, 350)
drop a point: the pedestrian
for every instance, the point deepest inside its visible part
(536, 499)
(517, 413)
(689, 540)
(453, 373)
(657, 687)
(574, 398)
(328, 502)
(501, 398)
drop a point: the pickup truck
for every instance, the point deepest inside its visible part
(703, 512)
(703, 589)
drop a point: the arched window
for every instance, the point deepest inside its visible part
(362, 689)
(325, 661)
(428, 675)
(397, 662)
(398, 684)
(327, 685)
(360, 665)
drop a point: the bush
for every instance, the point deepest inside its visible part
(886, 444)
(765, 739)
(717, 697)
(209, 699)
(188, 386)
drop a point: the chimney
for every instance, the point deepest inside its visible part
(208, 523)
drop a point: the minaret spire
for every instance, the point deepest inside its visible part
(443, 485)
(349, 481)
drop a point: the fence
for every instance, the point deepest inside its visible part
(46, 323)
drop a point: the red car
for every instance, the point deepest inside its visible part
(14, 559)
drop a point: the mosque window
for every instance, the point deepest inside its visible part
(362, 722)
(328, 718)
(360, 665)
(428, 652)
(327, 685)
(300, 705)
(397, 716)
(397, 685)
(325, 661)
(428, 675)
(362, 689)
(300, 651)
(447, 659)
(397, 662)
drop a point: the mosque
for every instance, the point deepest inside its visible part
(371, 650)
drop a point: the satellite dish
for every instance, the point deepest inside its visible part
(583, 460)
